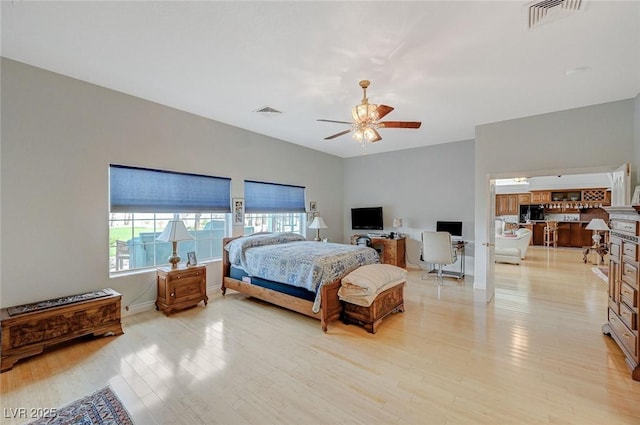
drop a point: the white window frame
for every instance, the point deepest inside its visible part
(145, 253)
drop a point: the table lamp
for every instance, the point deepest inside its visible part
(317, 223)
(174, 232)
(397, 222)
(597, 225)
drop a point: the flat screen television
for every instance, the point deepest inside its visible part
(453, 227)
(366, 218)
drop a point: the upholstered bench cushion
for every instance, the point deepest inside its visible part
(362, 285)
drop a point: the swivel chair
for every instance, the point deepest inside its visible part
(438, 250)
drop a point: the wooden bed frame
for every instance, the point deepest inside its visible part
(329, 310)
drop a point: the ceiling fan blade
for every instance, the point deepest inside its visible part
(338, 134)
(339, 122)
(399, 124)
(383, 110)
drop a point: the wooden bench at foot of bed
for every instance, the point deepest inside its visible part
(329, 310)
(387, 302)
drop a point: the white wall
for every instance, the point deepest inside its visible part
(421, 185)
(582, 140)
(58, 137)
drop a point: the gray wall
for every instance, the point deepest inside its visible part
(420, 185)
(59, 136)
(590, 139)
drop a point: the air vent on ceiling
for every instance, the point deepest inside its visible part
(268, 111)
(547, 10)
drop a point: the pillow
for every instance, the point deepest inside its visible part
(237, 247)
(372, 277)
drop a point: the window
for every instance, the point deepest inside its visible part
(272, 207)
(142, 201)
(133, 245)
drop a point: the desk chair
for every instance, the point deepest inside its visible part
(438, 250)
(363, 240)
(551, 234)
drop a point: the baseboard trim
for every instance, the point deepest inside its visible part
(151, 305)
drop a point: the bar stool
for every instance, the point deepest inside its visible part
(551, 234)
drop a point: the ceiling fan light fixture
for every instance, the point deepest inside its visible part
(365, 112)
(369, 134)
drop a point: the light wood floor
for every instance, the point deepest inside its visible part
(535, 355)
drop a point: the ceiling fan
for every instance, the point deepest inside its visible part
(365, 120)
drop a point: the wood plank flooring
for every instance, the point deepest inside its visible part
(535, 355)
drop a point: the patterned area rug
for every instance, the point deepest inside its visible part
(601, 272)
(100, 408)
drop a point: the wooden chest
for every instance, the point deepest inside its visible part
(181, 288)
(28, 333)
(387, 302)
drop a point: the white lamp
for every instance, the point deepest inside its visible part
(397, 222)
(597, 225)
(317, 223)
(174, 232)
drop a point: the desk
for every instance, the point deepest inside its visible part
(392, 251)
(460, 251)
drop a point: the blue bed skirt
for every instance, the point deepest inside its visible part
(295, 291)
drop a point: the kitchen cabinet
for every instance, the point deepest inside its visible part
(576, 199)
(524, 198)
(540, 197)
(570, 234)
(507, 204)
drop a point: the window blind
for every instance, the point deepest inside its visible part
(133, 189)
(261, 197)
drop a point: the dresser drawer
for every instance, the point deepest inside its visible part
(629, 295)
(186, 290)
(628, 317)
(614, 247)
(627, 337)
(630, 273)
(624, 226)
(186, 274)
(630, 251)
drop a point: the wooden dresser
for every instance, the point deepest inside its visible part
(624, 288)
(181, 287)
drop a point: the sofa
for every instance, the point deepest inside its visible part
(512, 248)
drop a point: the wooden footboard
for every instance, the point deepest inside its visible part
(330, 308)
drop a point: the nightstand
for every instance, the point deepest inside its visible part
(181, 287)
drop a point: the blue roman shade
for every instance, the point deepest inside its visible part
(133, 189)
(261, 197)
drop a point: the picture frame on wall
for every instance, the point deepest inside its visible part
(313, 206)
(237, 209)
(311, 216)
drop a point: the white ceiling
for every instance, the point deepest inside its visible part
(451, 65)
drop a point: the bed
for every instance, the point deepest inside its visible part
(286, 270)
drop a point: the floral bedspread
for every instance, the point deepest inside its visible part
(303, 263)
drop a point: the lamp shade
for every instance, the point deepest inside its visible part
(318, 223)
(597, 224)
(175, 231)
(397, 222)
